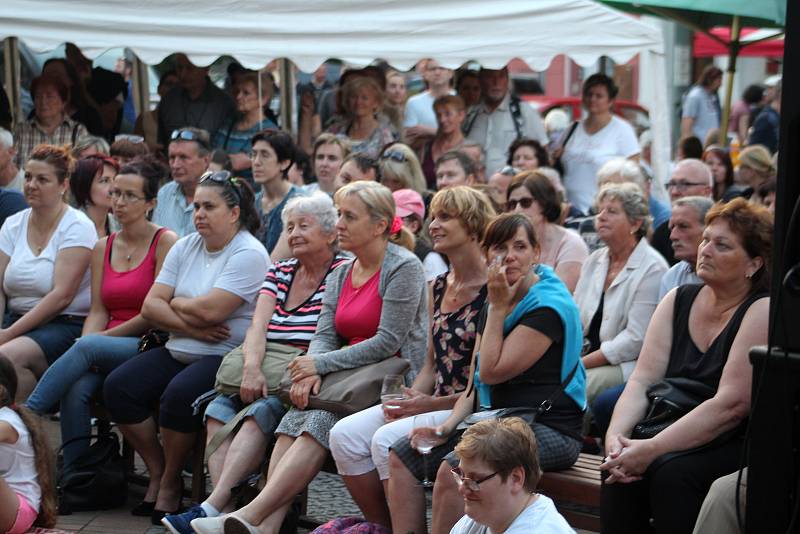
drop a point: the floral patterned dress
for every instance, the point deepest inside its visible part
(453, 340)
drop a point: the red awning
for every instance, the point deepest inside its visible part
(705, 46)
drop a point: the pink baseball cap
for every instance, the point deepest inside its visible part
(408, 201)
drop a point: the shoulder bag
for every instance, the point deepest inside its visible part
(350, 390)
(276, 357)
(557, 165)
(96, 480)
(670, 399)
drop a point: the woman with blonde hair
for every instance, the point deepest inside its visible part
(400, 169)
(360, 443)
(376, 305)
(363, 100)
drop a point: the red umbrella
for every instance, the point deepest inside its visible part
(705, 46)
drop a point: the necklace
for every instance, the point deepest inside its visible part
(50, 229)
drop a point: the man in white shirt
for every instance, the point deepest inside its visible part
(501, 118)
(419, 123)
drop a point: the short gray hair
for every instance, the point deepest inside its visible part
(698, 168)
(6, 139)
(318, 205)
(87, 141)
(633, 203)
(699, 204)
(627, 169)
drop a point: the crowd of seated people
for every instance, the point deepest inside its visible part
(532, 287)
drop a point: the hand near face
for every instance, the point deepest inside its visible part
(501, 293)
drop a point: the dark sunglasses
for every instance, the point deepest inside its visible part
(223, 178)
(394, 155)
(188, 135)
(526, 203)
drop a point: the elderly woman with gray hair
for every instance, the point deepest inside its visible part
(618, 288)
(287, 312)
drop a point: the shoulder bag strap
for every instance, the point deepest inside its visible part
(569, 134)
(516, 114)
(548, 402)
(472, 114)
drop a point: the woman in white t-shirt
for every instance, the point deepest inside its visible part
(27, 496)
(204, 296)
(44, 259)
(598, 138)
(497, 474)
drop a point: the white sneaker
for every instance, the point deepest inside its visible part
(209, 525)
(237, 525)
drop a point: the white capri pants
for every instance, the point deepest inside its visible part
(360, 442)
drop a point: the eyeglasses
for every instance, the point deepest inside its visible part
(394, 155)
(125, 196)
(135, 139)
(683, 186)
(223, 178)
(188, 135)
(526, 203)
(472, 485)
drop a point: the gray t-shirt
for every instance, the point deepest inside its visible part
(192, 271)
(703, 107)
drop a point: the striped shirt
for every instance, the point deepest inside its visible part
(29, 134)
(294, 327)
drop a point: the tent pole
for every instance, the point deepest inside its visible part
(726, 110)
(13, 77)
(141, 85)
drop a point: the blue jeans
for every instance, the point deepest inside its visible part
(73, 380)
(603, 407)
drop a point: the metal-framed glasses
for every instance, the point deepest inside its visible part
(125, 196)
(683, 186)
(470, 484)
(222, 178)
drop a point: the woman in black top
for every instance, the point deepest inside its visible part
(702, 333)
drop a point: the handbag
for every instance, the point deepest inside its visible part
(96, 480)
(557, 165)
(350, 390)
(152, 339)
(276, 357)
(670, 399)
(526, 413)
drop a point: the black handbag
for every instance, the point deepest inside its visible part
(152, 339)
(670, 399)
(96, 480)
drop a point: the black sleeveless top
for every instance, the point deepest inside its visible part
(685, 359)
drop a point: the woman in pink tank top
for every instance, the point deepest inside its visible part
(124, 266)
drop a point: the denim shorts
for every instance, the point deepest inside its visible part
(53, 337)
(267, 413)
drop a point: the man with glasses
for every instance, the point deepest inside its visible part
(196, 102)
(497, 476)
(690, 178)
(189, 156)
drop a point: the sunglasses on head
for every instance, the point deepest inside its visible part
(394, 155)
(508, 170)
(135, 139)
(223, 178)
(183, 134)
(526, 203)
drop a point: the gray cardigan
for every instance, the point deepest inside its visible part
(403, 325)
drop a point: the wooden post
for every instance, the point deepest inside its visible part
(13, 76)
(726, 109)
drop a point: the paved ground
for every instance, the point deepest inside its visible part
(328, 498)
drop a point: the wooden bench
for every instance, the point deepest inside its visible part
(576, 491)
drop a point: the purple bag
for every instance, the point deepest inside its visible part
(351, 525)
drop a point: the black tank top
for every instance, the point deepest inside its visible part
(685, 359)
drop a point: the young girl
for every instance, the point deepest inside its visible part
(26, 485)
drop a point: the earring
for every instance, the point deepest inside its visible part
(748, 275)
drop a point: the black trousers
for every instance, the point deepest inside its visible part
(671, 492)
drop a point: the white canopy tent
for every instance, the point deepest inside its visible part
(355, 31)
